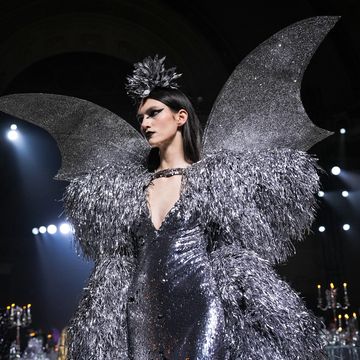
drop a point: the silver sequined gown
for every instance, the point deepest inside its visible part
(174, 308)
(203, 286)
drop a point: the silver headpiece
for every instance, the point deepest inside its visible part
(149, 74)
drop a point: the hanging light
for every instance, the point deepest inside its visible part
(335, 170)
(51, 229)
(65, 228)
(42, 229)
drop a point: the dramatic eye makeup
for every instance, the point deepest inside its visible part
(150, 112)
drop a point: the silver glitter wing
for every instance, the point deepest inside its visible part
(259, 106)
(88, 135)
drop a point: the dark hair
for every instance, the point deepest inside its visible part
(191, 131)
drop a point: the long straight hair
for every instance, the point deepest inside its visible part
(191, 130)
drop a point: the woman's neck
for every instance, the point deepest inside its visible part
(172, 155)
(171, 160)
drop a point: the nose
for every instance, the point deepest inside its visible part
(146, 122)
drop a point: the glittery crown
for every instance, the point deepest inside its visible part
(149, 74)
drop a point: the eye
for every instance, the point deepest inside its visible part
(151, 113)
(154, 112)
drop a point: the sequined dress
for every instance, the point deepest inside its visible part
(203, 285)
(174, 308)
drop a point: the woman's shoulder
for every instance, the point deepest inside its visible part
(126, 171)
(110, 181)
(264, 198)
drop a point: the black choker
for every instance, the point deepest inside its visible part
(167, 173)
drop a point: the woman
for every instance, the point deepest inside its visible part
(172, 316)
(184, 247)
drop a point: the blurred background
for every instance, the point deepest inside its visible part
(85, 49)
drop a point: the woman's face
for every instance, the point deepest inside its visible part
(158, 122)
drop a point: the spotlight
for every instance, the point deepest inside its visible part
(12, 135)
(335, 170)
(321, 194)
(346, 227)
(321, 228)
(345, 193)
(42, 229)
(51, 229)
(342, 131)
(64, 228)
(13, 127)
(35, 231)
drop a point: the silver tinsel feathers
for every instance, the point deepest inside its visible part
(253, 205)
(149, 74)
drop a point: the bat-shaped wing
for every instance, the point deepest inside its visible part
(259, 106)
(88, 135)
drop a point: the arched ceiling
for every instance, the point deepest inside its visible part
(127, 30)
(204, 40)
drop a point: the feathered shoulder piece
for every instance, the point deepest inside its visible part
(149, 74)
(264, 200)
(102, 206)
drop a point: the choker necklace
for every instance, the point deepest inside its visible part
(167, 173)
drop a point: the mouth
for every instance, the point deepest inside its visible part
(148, 134)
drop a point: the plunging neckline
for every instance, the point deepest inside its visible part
(170, 211)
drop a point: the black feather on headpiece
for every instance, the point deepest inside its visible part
(149, 74)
